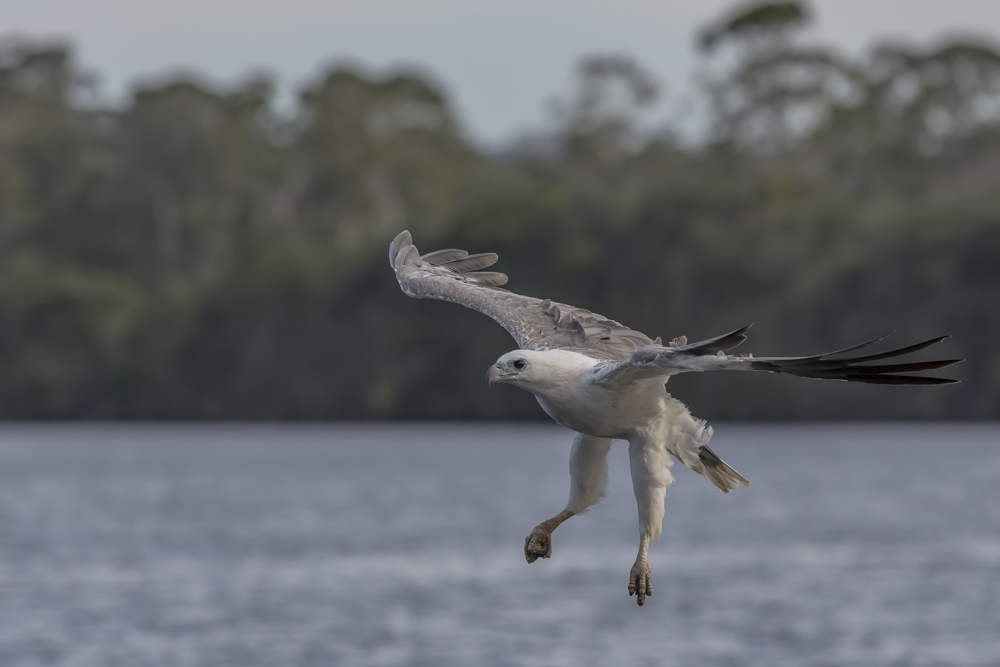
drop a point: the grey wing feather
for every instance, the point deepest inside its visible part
(471, 263)
(439, 257)
(453, 275)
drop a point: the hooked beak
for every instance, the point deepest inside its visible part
(493, 375)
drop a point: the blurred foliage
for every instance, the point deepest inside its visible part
(196, 254)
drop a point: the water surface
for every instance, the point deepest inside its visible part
(222, 545)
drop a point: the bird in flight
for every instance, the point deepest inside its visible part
(607, 382)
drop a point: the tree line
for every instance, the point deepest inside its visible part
(196, 253)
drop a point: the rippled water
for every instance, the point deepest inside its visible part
(239, 546)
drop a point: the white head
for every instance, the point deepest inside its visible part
(538, 370)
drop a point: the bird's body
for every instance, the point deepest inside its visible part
(607, 382)
(570, 388)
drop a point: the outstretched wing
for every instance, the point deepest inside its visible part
(658, 362)
(536, 324)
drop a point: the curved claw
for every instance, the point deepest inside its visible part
(640, 582)
(538, 545)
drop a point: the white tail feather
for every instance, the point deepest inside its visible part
(722, 475)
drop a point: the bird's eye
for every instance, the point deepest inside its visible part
(519, 364)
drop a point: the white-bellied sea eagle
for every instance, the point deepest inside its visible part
(607, 382)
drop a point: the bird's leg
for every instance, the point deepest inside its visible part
(640, 579)
(588, 474)
(649, 461)
(539, 543)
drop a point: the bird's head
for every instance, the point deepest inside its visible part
(533, 369)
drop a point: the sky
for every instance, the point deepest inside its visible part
(499, 60)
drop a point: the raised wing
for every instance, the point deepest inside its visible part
(536, 324)
(658, 362)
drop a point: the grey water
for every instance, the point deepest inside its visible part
(225, 545)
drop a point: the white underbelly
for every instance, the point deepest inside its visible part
(603, 414)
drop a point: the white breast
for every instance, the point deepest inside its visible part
(599, 409)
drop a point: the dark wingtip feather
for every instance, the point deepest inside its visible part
(717, 344)
(899, 379)
(898, 352)
(852, 369)
(913, 367)
(853, 348)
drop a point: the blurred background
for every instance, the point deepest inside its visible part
(196, 201)
(188, 236)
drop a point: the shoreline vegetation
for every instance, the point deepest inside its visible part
(193, 254)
